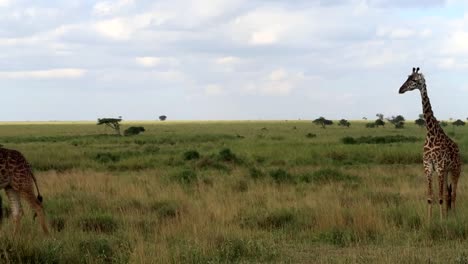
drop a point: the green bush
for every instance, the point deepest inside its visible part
(99, 223)
(256, 173)
(97, 249)
(227, 155)
(327, 175)
(379, 139)
(132, 131)
(281, 176)
(191, 155)
(186, 176)
(166, 209)
(106, 157)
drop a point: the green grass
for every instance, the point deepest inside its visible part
(232, 192)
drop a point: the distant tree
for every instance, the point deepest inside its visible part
(370, 125)
(379, 122)
(380, 116)
(344, 122)
(398, 121)
(443, 123)
(113, 123)
(162, 117)
(322, 122)
(458, 123)
(420, 121)
(364, 118)
(131, 131)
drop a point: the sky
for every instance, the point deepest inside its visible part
(230, 59)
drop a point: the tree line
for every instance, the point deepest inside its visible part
(397, 121)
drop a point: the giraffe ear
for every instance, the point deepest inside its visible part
(414, 69)
(417, 70)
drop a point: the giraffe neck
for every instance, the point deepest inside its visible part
(432, 124)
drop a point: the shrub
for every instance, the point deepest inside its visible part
(100, 223)
(166, 209)
(379, 139)
(97, 248)
(255, 173)
(240, 186)
(344, 122)
(186, 176)
(106, 157)
(276, 219)
(227, 155)
(310, 135)
(458, 123)
(191, 155)
(131, 131)
(321, 121)
(328, 175)
(234, 250)
(370, 125)
(338, 237)
(281, 176)
(348, 140)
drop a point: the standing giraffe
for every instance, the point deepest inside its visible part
(17, 179)
(441, 154)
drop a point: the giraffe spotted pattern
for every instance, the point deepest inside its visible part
(17, 179)
(440, 153)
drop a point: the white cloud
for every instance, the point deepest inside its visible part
(213, 89)
(67, 73)
(122, 28)
(395, 33)
(456, 43)
(228, 60)
(103, 8)
(4, 3)
(278, 82)
(114, 28)
(148, 61)
(266, 27)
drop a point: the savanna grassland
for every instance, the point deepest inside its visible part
(232, 192)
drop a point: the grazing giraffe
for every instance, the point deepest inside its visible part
(17, 179)
(441, 154)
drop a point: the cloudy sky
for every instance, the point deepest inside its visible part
(230, 59)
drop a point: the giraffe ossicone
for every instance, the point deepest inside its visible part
(440, 153)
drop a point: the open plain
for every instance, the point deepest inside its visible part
(232, 192)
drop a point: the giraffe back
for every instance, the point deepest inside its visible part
(15, 171)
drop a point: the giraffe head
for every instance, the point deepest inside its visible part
(415, 81)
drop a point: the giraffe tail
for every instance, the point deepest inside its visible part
(39, 196)
(449, 199)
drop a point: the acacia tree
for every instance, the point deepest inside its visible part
(162, 117)
(379, 122)
(380, 116)
(458, 123)
(344, 122)
(398, 121)
(420, 121)
(322, 122)
(113, 123)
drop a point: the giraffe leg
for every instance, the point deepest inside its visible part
(16, 209)
(36, 205)
(430, 196)
(442, 189)
(455, 174)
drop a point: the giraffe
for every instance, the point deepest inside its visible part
(17, 179)
(440, 153)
